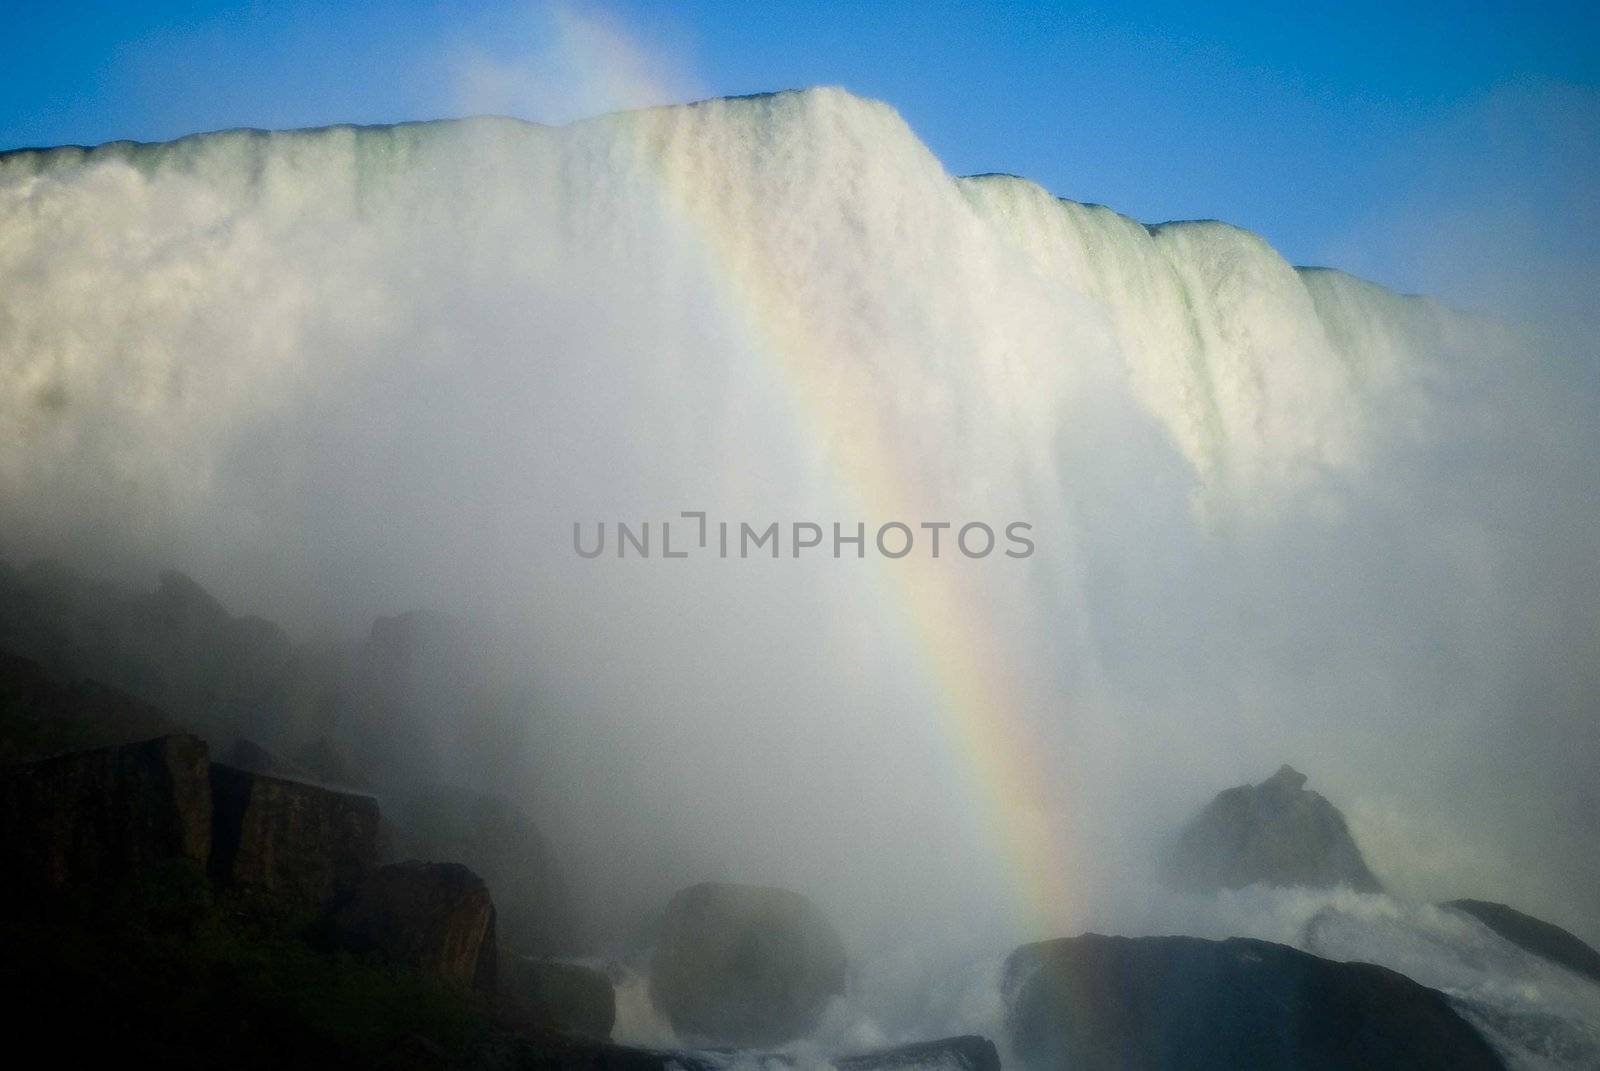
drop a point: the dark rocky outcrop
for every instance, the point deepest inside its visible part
(176, 647)
(421, 695)
(91, 817)
(1163, 1002)
(248, 755)
(323, 761)
(1274, 833)
(550, 995)
(965, 1053)
(409, 672)
(1530, 934)
(435, 917)
(500, 841)
(286, 843)
(318, 762)
(43, 715)
(551, 1052)
(745, 965)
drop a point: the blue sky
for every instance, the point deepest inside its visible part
(1403, 144)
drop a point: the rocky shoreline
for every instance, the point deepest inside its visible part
(737, 969)
(238, 907)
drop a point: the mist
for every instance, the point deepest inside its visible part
(1279, 515)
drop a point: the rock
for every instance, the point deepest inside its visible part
(965, 1053)
(1274, 833)
(248, 755)
(548, 995)
(1161, 1002)
(745, 965)
(89, 817)
(421, 695)
(551, 1051)
(325, 763)
(172, 896)
(287, 843)
(499, 841)
(1527, 1008)
(412, 682)
(176, 647)
(436, 917)
(43, 715)
(429, 699)
(1541, 938)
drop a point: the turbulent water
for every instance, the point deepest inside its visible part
(1281, 514)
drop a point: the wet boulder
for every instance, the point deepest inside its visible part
(1160, 1002)
(436, 917)
(89, 817)
(967, 1052)
(288, 843)
(541, 1052)
(500, 841)
(543, 994)
(1274, 833)
(1543, 939)
(745, 965)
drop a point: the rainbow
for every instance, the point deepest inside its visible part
(981, 710)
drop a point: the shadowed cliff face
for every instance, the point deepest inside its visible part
(296, 843)
(81, 822)
(434, 917)
(1274, 833)
(537, 912)
(41, 714)
(175, 647)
